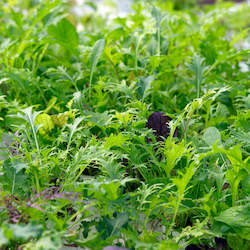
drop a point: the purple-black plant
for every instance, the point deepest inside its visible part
(159, 123)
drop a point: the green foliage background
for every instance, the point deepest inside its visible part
(77, 163)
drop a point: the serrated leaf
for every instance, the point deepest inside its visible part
(99, 119)
(144, 86)
(95, 55)
(73, 128)
(198, 67)
(115, 140)
(118, 222)
(182, 182)
(173, 153)
(30, 117)
(111, 189)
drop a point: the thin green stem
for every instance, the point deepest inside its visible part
(174, 217)
(159, 41)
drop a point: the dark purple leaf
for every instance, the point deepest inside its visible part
(158, 122)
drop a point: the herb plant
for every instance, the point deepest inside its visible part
(133, 132)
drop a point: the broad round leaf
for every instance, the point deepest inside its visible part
(211, 135)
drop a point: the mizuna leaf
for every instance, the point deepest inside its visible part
(198, 67)
(95, 55)
(30, 117)
(144, 86)
(73, 128)
(173, 153)
(115, 140)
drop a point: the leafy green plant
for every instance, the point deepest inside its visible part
(198, 68)
(94, 57)
(30, 118)
(90, 107)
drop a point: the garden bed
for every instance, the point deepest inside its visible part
(130, 131)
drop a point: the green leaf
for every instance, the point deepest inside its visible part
(118, 222)
(111, 168)
(46, 121)
(91, 4)
(99, 119)
(168, 244)
(234, 154)
(13, 178)
(236, 243)
(237, 218)
(144, 86)
(173, 153)
(50, 242)
(64, 33)
(211, 135)
(5, 140)
(5, 235)
(182, 181)
(115, 140)
(73, 129)
(24, 232)
(157, 16)
(198, 68)
(30, 117)
(95, 55)
(111, 189)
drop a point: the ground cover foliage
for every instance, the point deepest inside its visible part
(81, 165)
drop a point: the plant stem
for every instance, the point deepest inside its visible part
(159, 41)
(174, 217)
